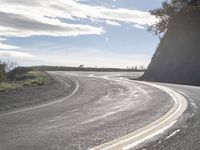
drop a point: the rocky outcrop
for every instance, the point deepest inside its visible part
(177, 58)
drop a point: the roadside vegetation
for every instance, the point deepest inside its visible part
(169, 11)
(16, 78)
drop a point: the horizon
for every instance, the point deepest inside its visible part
(108, 34)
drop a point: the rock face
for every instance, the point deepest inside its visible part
(177, 59)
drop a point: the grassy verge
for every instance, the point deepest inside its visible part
(8, 86)
(31, 78)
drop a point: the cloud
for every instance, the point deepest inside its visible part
(8, 51)
(15, 54)
(6, 46)
(139, 26)
(22, 18)
(113, 23)
(75, 9)
(22, 26)
(3, 39)
(89, 57)
(118, 61)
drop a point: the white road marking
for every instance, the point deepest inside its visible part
(172, 134)
(151, 130)
(43, 105)
(149, 136)
(141, 135)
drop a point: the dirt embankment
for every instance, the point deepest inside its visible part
(58, 87)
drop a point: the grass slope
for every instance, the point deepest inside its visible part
(31, 78)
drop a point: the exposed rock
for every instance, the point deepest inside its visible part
(177, 58)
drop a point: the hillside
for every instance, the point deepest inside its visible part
(177, 58)
(63, 68)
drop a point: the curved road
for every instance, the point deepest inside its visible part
(101, 109)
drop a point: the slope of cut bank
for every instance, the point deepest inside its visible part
(177, 57)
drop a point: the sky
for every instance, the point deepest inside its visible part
(93, 33)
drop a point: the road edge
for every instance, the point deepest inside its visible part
(57, 100)
(153, 129)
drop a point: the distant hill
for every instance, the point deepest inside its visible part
(177, 59)
(63, 68)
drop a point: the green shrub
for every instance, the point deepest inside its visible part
(9, 86)
(31, 78)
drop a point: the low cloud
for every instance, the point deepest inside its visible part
(139, 26)
(9, 51)
(6, 46)
(90, 57)
(113, 23)
(15, 54)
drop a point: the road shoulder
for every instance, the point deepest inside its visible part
(58, 87)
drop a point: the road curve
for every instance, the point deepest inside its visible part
(102, 109)
(46, 104)
(159, 126)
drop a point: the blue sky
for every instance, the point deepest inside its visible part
(95, 33)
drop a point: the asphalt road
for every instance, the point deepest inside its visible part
(185, 135)
(99, 110)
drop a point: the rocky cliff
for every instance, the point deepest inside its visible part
(177, 58)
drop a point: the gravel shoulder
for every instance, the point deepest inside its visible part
(35, 95)
(185, 134)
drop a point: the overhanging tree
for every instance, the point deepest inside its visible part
(167, 12)
(2, 71)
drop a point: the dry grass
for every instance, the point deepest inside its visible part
(32, 78)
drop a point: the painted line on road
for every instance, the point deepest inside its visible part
(44, 105)
(153, 129)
